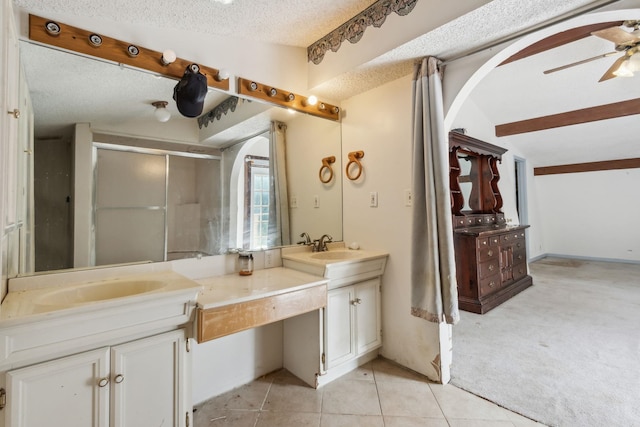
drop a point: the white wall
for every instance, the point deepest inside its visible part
(379, 123)
(591, 214)
(229, 362)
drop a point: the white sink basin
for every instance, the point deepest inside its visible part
(340, 265)
(335, 255)
(100, 291)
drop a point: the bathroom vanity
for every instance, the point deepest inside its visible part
(85, 350)
(348, 332)
(112, 346)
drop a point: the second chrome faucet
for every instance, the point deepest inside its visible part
(319, 245)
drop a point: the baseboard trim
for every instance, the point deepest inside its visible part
(583, 258)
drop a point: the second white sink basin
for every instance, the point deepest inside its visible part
(102, 291)
(335, 255)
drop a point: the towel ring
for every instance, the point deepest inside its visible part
(326, 164)
(354, 158)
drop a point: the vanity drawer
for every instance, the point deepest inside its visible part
(235, 317)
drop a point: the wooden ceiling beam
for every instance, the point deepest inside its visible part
(588, 167)
(585, 115)
(560, 39)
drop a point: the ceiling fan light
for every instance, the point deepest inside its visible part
(624, 70)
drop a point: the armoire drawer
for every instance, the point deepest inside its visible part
(489, 284)
(489, 268)
(489, 253)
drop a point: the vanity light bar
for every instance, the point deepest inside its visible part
(287, 99)
(88, 43)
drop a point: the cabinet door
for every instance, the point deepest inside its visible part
(148, 382)
(72, 391)
(368, 318)
(339, 333)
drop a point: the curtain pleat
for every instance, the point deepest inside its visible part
(279, 200)
(434, 294)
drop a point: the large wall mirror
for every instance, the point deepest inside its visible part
(159, 191)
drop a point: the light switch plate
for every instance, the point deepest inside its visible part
(373, 199)
(408, 198)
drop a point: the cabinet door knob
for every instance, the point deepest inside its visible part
(491, 267)
(356, 301)
(15, 113)
(119, 378)
(490, 253)
(103, 382)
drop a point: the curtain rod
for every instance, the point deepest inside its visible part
(537, 27)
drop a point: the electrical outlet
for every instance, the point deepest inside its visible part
(373, 199)
(316, 201)
(408, 198)
(270, 258)
(293, 202)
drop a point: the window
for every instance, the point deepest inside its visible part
(256, 218)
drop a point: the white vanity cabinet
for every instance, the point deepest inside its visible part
(348, 332)
(138, 383)
(353, 322)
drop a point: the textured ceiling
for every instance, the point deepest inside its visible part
(300, 23)
(287, 22)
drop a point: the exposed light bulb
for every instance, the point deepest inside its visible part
(168, 57)
(223, 74)
(161, 113)
(312, 100)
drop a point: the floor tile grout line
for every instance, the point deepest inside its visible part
(375, 381)
(439, 405)
(266, 395)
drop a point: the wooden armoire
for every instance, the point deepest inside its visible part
(491, 259)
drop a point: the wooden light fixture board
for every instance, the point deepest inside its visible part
(78, 40)
(272, 95)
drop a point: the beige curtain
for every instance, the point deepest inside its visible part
(434, 295)
(278, 197)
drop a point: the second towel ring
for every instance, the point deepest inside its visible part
(326, 164)
(354, 158)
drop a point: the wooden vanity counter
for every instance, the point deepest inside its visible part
(234, 303)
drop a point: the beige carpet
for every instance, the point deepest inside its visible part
(565, 352)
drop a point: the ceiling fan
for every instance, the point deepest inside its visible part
(625, 41)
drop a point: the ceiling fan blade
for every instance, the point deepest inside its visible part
(584, 61)
(616, 35)
(609, 73)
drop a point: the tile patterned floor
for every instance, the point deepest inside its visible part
(379, 394)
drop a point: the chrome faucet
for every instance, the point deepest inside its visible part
(306, 241)
(320, 245)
